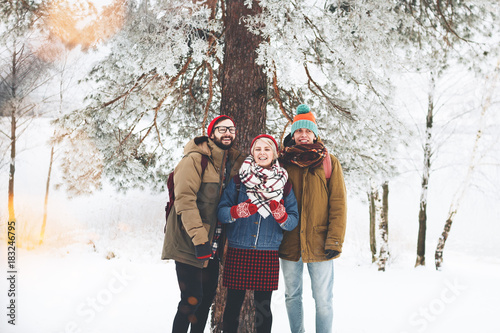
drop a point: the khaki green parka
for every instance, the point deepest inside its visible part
(322, 213)
(193, 217)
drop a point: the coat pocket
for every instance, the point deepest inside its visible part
(185, 243)
(290, 245)
(319, 240)
(207, 202)
(171, 238)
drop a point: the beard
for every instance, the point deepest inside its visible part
(218, 142)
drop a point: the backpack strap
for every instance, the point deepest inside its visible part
(170, 187)
(287, 189)
(327, 166)
(237, 181)
(204, 163)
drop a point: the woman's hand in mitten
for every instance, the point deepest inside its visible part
(244, 209)
(278, 211)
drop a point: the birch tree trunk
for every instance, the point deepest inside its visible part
(383, 256)
(438, 256)
(47, 188)
(244, 98)
(422, 215)
(379, 216)
(373, 218)
(473, 162)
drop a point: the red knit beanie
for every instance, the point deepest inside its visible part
(215, 121)
(264, 136)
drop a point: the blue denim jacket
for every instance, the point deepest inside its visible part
(254, 232)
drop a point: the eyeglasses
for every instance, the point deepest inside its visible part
(223, 129)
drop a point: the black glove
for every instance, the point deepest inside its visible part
(203, 251)
(331, 253)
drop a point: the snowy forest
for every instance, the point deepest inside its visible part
(99, 97)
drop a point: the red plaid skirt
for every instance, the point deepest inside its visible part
(251, 270)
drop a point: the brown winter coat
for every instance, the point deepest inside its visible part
(193, 218)
(322, 213)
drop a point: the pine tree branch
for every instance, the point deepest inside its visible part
(281, 106)
(284, 131)
(125, 93)
(191, 83)
(278, 98)
(447, 24)
(142, 77)
(155, 123)
(337, 107)
(132, 129)
(181, 72)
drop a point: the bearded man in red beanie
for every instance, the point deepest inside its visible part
(193, 236)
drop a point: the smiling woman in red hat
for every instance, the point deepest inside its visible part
(257, 205)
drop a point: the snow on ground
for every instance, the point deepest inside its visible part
(99, 271)
(75, 289)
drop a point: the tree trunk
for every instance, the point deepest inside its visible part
(384, 229)
(47, 188)
(218, 304)
(12, 167)
(13, 139)
(379, 215)
(422, 215)
(373, 236)
(473, 162)
(244, 84)
(244, 98)
(442, 241)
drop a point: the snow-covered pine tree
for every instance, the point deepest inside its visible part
(152, 91)
(162, 79)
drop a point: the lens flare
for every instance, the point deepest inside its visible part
(84, 22)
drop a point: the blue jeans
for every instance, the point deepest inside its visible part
(321, 274)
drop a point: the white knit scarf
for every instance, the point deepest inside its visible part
(263, 185)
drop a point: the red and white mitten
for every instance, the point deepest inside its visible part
(242, 210)
(278, 211)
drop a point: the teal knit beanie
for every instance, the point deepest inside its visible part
(304, 119)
